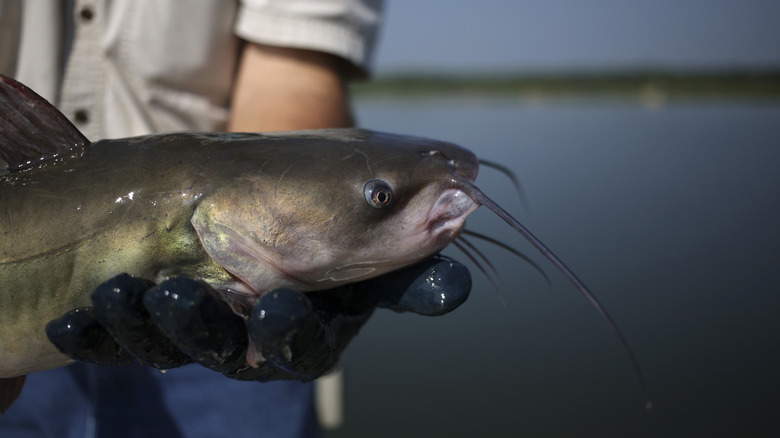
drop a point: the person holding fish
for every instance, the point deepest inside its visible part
(125, 68)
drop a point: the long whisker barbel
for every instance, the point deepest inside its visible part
(480, 198)
(481, 255)
(510, 249)
(512, 177)
(476, 262)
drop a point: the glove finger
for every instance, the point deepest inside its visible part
(78, 335)
(433, 287)
(299, 335)
(195, 318)
(119, 308)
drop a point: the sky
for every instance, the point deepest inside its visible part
(540, 35)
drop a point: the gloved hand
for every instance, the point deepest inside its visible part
(293, 335)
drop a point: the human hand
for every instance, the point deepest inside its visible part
(293, 335)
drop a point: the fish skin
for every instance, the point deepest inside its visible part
(125, 206)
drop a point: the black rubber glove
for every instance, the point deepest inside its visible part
(293, 335)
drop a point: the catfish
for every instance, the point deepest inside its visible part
(245, 212)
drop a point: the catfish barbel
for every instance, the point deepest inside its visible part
(247, 213)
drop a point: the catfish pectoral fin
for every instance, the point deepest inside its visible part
(10, 389)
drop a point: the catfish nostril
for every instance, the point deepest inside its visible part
(450, 161)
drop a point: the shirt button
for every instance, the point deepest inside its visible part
(86, 14)
(81, 116)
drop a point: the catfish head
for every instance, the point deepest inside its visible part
(342, 206)
(347, 205)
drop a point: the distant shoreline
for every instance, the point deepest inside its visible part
(651, 85)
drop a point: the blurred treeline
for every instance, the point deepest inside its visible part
(651, 85)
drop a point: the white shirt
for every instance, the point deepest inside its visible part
(120, 68)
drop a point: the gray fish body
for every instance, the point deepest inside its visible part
(163, 205)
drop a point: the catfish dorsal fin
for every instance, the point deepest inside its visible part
(31, 129)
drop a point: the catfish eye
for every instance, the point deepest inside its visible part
(378, 193)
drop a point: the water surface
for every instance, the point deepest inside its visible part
(670, 215)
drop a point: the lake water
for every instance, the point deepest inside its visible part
(669, 213)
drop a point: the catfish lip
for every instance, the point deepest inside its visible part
(449, 213)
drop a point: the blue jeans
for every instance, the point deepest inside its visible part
(125, 402)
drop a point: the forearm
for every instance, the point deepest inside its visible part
(280, 89)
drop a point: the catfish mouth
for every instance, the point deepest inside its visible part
(448, 215)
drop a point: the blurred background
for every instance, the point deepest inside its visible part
(647, 138)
